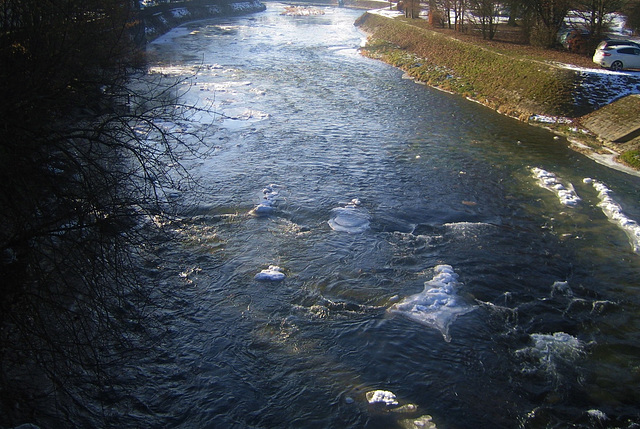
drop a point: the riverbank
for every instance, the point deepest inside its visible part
(160, 19)
(553, 95)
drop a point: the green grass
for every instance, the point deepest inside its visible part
(631, 158)
(514, 85)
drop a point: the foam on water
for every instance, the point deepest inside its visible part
(245, 114)
(614, 212)
(273, 273)
(267, 205)
(560, 344)
(559, 288)
(565, 192)
(597, 415)
(551, 350)
(385, 402)
(422, 422)
(470, 230)
(438, 305)
(173, 70)
(381, 396)
(352, 218)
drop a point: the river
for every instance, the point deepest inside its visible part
(433, 261)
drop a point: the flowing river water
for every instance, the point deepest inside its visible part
(425, 247)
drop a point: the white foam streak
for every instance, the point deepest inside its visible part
(614, 212)
(565, 192)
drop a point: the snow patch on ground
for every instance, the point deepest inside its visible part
(386, 12)
(545, 119)
(608, 160)
(597, 87)
(302, 11)
(243, 6)
(180, 12)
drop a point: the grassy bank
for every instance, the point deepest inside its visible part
(513, 86)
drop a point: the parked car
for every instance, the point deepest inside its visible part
(575, 39)
(617, 42)
(618, 57)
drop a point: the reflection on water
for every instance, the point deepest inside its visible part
(361, 192)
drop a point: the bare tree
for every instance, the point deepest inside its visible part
(514, 11)
(459, 12)
(412, 8)
(595, 15)
(632, 10)
(447, 8)
(486, 12)
(550, 15)
(435, 14)
(87, 171)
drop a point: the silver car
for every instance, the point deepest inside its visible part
(610, 43)
(618, 57)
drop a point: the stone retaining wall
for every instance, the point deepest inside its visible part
(618, 122)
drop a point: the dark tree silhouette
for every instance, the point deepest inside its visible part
(486, 13)
(550, 15)
(595, 16)
(88, 175)
(632, 10)
(412, 8)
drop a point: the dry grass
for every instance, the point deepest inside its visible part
(508, 40)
